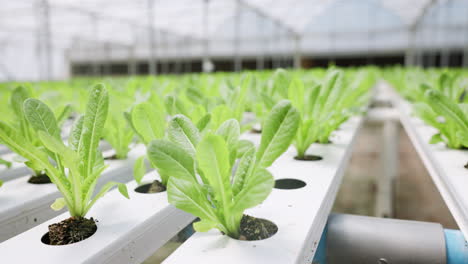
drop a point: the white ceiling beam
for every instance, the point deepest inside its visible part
(421, 15)
(120, 19)
(265, 14)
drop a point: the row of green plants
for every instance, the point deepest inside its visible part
(439, 98)
(192, 128)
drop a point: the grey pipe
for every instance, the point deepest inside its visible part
(361, 240)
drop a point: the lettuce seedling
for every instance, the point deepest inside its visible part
(119, 134)
(209, 181)
(270, 92)
(450, 118)
(76, 168)
(5, 163)
(148, 121)
(325, 107)
(22, 126)
(183, 132)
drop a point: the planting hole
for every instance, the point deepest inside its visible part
(69, 231)
(289, 184)
(39, 179)
(112, 157)
(255, 131)
(154, 187)
(309, 158)
(252, 228)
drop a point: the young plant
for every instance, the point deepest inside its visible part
(26, 131)
(5, 163)
(119, 134)
(271, 91)
(22, 126)
(325, 107)
(450, 118)
(76, 168)
(148, 121)
(204, 178)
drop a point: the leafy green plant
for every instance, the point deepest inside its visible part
(5, 163)
(324, 107)
(450, 118)
(77, 167)
(18, 96)
(202, 181)
(148, 121)
(119, 134)
(269, 92)
(21, 125)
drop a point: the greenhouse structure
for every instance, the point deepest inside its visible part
(234, 131)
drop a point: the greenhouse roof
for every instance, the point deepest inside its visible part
(118, 20)
(57, 32)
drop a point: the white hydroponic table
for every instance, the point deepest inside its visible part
(24, 205)
(129, 231)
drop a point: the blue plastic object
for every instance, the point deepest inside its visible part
(456, 246)
(320, 256)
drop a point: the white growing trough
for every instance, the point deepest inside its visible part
(300, 214)
(3, 150)
(24, 205)
(16, 170)
(129, 231)
(443, 164)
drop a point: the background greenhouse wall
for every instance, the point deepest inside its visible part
(55, 39)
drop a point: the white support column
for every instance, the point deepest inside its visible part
(444, 49)
(179, 46)
(389, 161)
(38, 47)
(465, 46)
(260, 51)
(274, 53)
(152, 66)
(96, 67)
(465, 51)
(297, 52)
(207, 64)
(107, 59)
(164, 60)
(132, 63)
(188, 62)
(45, 38)
(409, 53)
(237, 21)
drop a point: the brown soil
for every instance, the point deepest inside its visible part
(70, 231)
(308, 158)
(252, 228)
(39, 179)
(155, 187)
